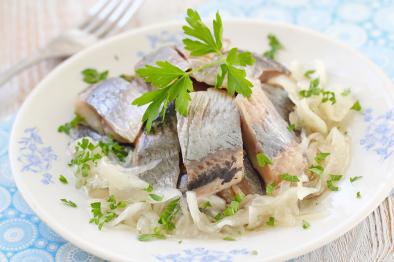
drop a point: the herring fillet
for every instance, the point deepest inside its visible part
(265, 131)
(280, 99)
(107, 108)
(211, 142)
(161, 144)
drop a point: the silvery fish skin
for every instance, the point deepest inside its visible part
(280, 99)
(251, 184)
(165, 53)
(161, 143)
(211, 142)
(107, 108)
(265, 131)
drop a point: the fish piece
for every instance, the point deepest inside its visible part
(107, 108)
(165, 53)
(280, 99)
(251, 184)
(263, 69)
(211, 142)
(162, 144)
(85, 131)
(265, 131)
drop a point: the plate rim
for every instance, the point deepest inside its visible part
(91, 248)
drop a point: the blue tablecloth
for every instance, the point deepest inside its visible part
(365, 25)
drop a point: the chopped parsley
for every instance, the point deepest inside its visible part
(149, 188)
(171, 83)
(156, 197)
(269, 189)
(227, 238)
(92, 76)
(346, 92)
(305, 224)
(356, 106)
(316, 170)
(354, 178)
(68, 203)
(331, 182)
(85, 155)
(275, 46)
(320, 157)
(206, 205)
(100, 217)
(328, 96)
(66, 128)
(309, 73)
(291, 127)
(263, 159)
(358, 194)
(111, 146)
(167, 217)
(271, 221)
(315, 90)
(155, 236)
(289, 178)
(63, 179)
(231, 209)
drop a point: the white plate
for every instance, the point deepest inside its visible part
(38, 151)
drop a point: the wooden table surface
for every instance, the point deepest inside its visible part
(25, 25)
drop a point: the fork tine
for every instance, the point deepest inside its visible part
(101, 16)
(98, 7)
(124, 5)
(125, 10)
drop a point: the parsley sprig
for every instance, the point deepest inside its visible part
(275, 46)
(315, 90)
(66, 128)
(172, 84)
(92, 76)
(100, 216)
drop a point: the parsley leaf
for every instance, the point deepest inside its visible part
(358, 194)
(346, 92)
(316, 169)
(269, 189)
(330, 182)
(271, 221)
(231, 209)
(68, 203)
(155, 236)
(321, 157)
(168, 214)
(308, 73)
(354, 178)
(66, 128)
(227, 238)
(100, 217)
(63, 179)
(92, 76)
(291, 127)
(206, 205)
(275, 46)
(289, 178)
(156, 197)
(305, 224)
(263, 159)
(111, 146)
(356, 106)
(149, 188)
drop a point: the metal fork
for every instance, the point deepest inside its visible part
(105, 18)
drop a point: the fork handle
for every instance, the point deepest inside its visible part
(22, 65)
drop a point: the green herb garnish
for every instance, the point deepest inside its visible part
(308, 73)
(354, 178)
(269, 189)
(111, 146)
(149, 188)
(66, 128)
(100, 217)
(92, 76)
(315, 90)
(305, 224)
(227, 238)
(85, 155)
(168, 215)
(358, 194)
(155, 236)
(331, 182)
(173, 84)
(275, 46)
(316, 169)
(206, 205)
(356, 106)
(263, 159)
(68, 203)
(321, 157)
(289, 178)
(271, 221)
(156, 197)
(291, 127)
(63, 179)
